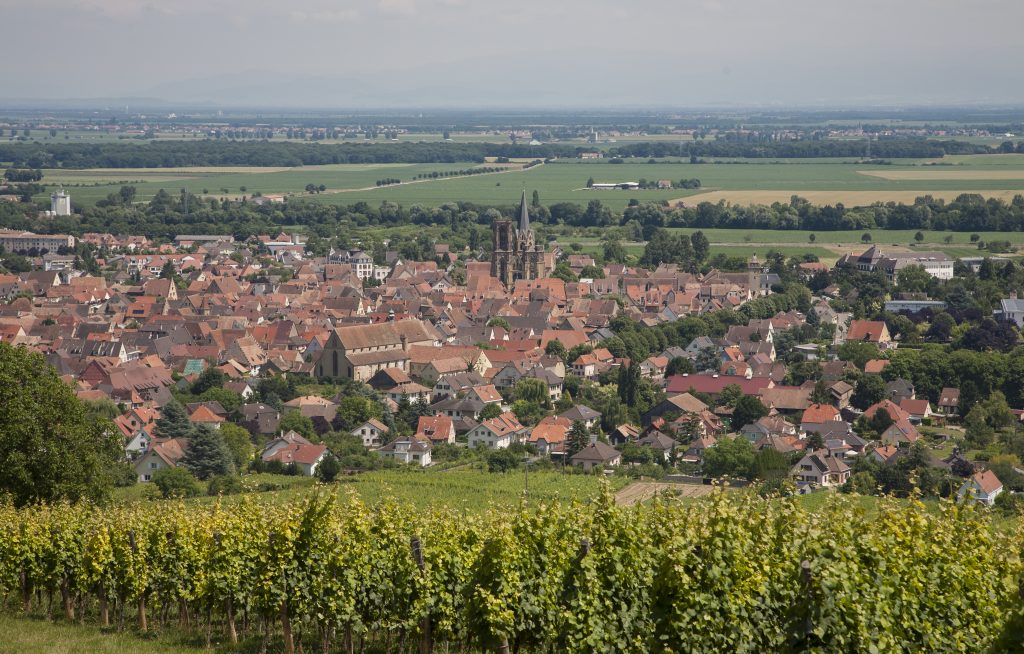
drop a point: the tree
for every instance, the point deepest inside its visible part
(861, 483)
(941, 328)
(679, 366)
(209, 378)
(919, 236)
(870, 390)
(730, 457)
(498, 321)
(295, 421)
(492, 410)
(354, 410)
(208, 455)
(50, 448)
(239, 443)
(629, 384)
(173, 421)
(328, 468)
(577, 439)
(614, 251)
(748, 409)
(701, 246)
(815, 441)
(556, 348)
(811, 238)
(858, 352)
(176, 483)
(708, 359)
(534, 391)
(503, 460)
(769, 463)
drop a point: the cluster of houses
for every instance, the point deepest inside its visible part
(415, 335)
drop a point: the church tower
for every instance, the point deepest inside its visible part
(754, 271)
(516, 252)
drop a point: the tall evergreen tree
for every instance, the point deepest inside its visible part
(577, 438)
(208, 454)
(173, 422)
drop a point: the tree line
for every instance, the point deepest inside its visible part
(219, 152)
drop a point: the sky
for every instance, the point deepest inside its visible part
(516, 54)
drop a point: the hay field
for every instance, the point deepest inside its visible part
(850, 198)
(944, 173)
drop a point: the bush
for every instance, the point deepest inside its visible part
(328, 469)
(225, 485)
(176, 483)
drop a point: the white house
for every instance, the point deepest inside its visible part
(497, 433)
(408, 451)
(372, 432)
(821, 469)
(306, 457)
(984, 487)
(160, 455)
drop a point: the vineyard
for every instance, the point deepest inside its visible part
(734, 573)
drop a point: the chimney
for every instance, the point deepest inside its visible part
(593, 439)
(1013, 295)
(405, 343)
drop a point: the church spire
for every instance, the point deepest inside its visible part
(524, 215)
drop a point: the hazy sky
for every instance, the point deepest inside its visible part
(520, 53)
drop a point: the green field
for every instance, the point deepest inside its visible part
(463, 489)
(752, 181)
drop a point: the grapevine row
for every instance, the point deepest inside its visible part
(734, 574)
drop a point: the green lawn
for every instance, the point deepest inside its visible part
(24, 635)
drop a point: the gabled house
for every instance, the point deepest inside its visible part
(822, 469)
(549, 434)
(408, 451)
(584, 414)
(497, 433)
(984, 487)
(436, 429)
(306, 457)
(949, 402)
(161, 454)
(870, 331)
(373, 433)
(918, 410)
(596, 455)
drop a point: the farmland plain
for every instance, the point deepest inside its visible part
(748, 181)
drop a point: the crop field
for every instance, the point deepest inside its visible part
(89, 186)
(749, 181)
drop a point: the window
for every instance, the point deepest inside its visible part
(152, 465)
(146, 478)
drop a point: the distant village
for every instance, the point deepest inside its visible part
(165, 314)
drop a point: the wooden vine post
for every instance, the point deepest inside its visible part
(426, 638)
(143, 626)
